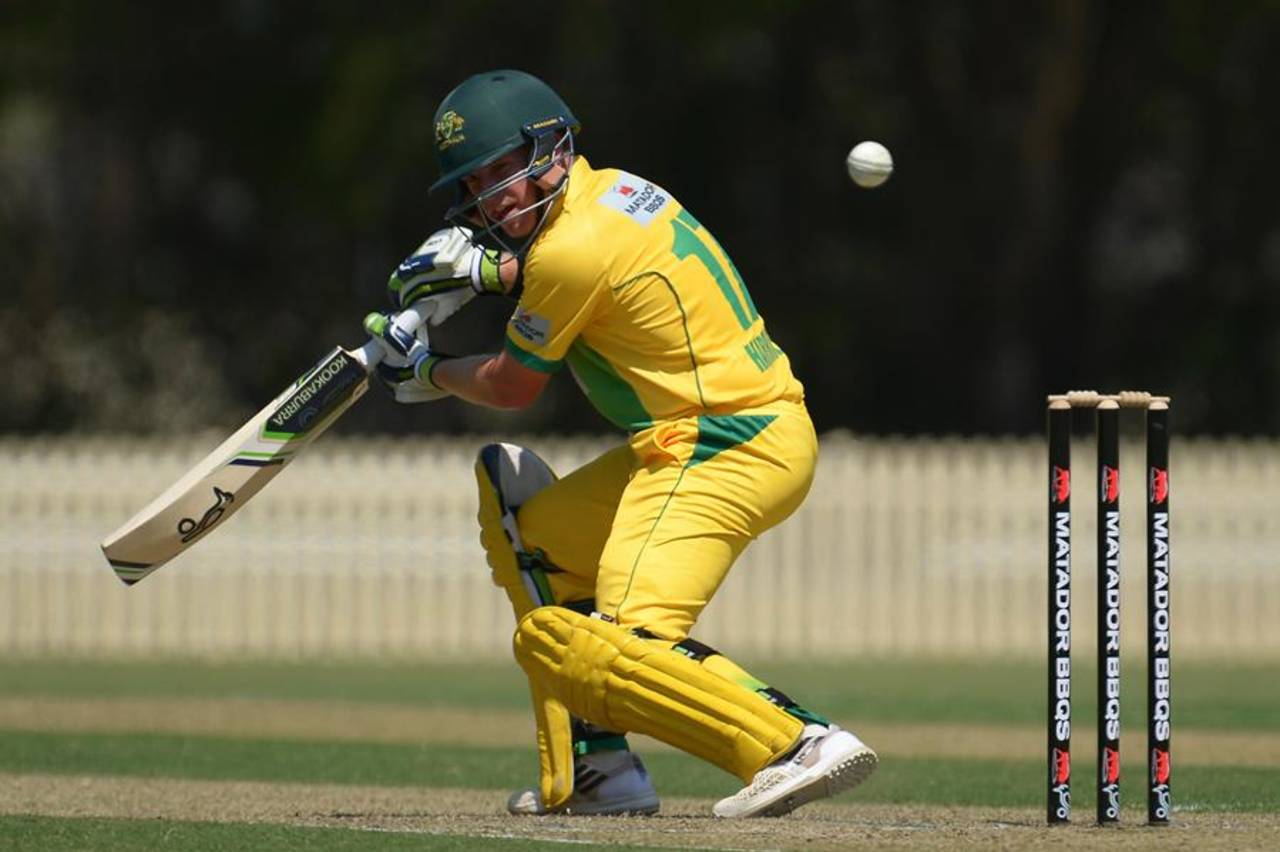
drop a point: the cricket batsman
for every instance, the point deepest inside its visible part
(609, 566)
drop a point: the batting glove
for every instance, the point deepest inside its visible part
(447, 271)
(405, 369)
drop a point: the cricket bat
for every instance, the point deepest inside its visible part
(242, 465)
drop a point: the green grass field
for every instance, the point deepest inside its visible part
(78, 769)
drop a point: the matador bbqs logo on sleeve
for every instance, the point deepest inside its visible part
(636, 197)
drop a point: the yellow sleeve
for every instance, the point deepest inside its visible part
(564, 289)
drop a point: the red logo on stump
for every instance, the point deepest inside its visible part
(1110, 484)
(1161, 767)
(1112, 765)
(1159, 485)
(1061, 766)
(1061, 484)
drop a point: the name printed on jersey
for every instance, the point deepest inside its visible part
(636, 197)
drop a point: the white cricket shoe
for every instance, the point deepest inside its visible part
(604, 783)
(829, 760)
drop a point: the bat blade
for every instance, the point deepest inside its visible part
(226, 479)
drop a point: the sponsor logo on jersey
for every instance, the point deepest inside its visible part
(636, 197)
(531, 327)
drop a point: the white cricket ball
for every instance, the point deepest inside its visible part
(869, 164)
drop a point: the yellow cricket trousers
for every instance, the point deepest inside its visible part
(650, 529)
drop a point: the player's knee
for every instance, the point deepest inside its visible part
(547, 631)
(541, 639)
(569, 639)
(557, 637)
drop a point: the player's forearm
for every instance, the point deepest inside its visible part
(476, 379)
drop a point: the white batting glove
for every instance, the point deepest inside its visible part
(405, 368)
(446, 271)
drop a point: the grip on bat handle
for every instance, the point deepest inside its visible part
(413, 316)
(370, 354)
(409, 319)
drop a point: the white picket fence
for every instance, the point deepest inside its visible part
(368, 546)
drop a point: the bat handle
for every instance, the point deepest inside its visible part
(370, 354)
(409, 319)
(415, 315)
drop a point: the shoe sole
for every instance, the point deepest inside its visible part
(648, 808)
(636, 806)
(847, 773)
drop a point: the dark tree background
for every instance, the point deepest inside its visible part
(198, 200)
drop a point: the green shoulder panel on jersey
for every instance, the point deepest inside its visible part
(533, 362)
(607, 391)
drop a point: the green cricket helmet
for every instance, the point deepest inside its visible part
(488, 116)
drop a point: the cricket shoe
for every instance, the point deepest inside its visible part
(604, 783)
(829, 760)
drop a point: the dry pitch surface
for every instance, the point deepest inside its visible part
(683, 824)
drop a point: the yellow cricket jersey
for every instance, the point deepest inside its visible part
(651, 315)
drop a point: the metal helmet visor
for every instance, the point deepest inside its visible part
(551, 143)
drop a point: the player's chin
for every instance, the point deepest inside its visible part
(519, 226)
